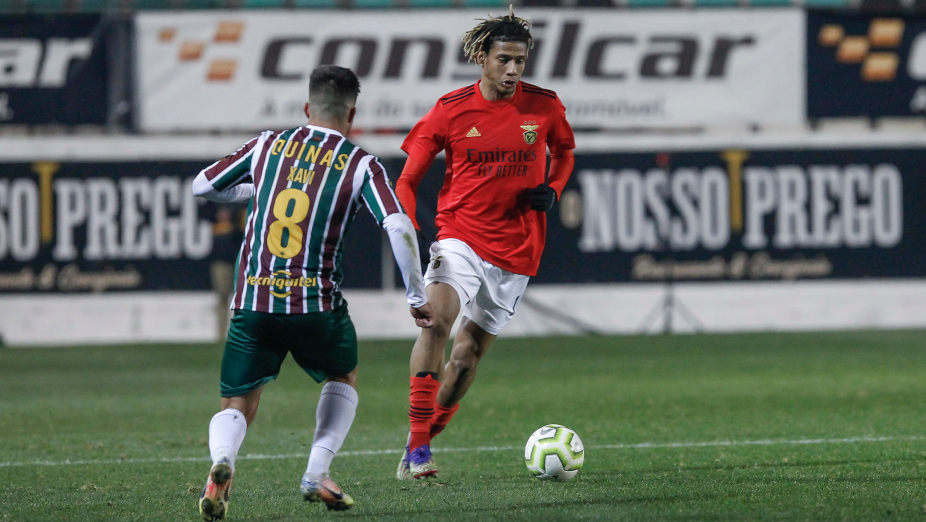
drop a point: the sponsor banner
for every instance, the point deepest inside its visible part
(96, 227)
(117, 226)
(53, 69)
(740, 215)
(705, 215)
(613, 69)
(732, 215)
(859, 64)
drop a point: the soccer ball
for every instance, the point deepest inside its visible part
(554, 452)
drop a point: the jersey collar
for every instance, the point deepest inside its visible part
(517, 93)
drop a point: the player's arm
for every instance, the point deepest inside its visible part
(228, 179)
(561, 142)
(561, 165)
(381, 200)
(422, 144)
(401, 234)
(544, 196)
(406, 188)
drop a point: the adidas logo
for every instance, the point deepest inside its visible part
(473, 133)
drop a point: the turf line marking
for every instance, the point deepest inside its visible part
(478, 449)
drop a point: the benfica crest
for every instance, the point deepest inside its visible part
(530, 133)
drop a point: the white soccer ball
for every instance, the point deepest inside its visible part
(554, 452)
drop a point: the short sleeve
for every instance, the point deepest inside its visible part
(429, 135)
(561, 137)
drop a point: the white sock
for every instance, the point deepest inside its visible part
(333, 418)
(226, 433)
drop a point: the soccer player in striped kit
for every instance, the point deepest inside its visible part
(303, 187)
(491, 217)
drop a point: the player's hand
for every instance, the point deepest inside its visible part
(542, 197)
(424, 316)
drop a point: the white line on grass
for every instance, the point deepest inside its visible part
(477, 449)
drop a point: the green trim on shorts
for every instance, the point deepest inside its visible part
(323, 344)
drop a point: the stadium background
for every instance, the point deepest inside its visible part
(740, 165)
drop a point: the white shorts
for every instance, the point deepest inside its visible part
(488, 294)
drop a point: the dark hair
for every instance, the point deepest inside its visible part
(333, 90)
(508, 28)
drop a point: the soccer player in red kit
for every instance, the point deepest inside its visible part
(491, 217)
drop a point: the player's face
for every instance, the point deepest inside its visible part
(502, 68)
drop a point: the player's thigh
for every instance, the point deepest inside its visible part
(324, 344)
(471, 341)
(494, 305)
(454, 263)
(253, 355)
(445, 302)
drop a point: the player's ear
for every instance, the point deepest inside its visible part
(481, 58)
(350, 115)
(305, 109)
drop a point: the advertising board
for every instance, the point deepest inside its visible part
(53, 69)
(863, 64)
(737, 214)
(201, 71)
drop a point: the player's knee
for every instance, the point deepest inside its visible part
(463, 364)
(246, 404)
(349, 379)
(250, 412)
(465, 356)
(440, 332)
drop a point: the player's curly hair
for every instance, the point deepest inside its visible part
(507, 28)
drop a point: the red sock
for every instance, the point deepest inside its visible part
(421, 400)
(441, 418)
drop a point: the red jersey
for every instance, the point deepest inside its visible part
(495, 150)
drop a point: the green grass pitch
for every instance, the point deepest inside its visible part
(772, 426)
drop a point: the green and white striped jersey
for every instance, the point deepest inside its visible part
(309, 183)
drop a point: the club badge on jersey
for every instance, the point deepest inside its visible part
(530, 132)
